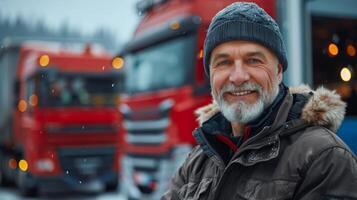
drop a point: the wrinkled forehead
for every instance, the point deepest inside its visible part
(242, 48)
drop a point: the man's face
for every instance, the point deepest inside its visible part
(245, 78)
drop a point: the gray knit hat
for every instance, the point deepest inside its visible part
(244, 21)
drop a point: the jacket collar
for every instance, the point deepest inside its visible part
(300, 107)
(324, 108)
(218, 124)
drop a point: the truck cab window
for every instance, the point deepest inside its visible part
(80, 90)
(162, 66)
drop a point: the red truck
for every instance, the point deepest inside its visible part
(165, 82)
(59, 122)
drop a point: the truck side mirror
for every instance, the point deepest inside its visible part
(199, 90)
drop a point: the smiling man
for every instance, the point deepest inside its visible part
(245, 79)
(260, 139)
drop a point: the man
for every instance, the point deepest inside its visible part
(260, 139)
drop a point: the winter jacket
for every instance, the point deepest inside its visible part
(297, 157)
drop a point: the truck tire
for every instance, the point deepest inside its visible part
(25, 184)
(112, 186)
(3, 180)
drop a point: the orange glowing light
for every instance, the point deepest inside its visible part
(344, 90)
(332, 49)
(118, 63)
(22, 106)
(23, 165)
(351, 50)
(33, 100)
(12, 163)
(175, 25)
(44, 60)
(200, 54)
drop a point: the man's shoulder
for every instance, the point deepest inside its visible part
(321, 138)
(314, 141)
(315, 144)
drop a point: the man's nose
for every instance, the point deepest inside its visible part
(239, 73)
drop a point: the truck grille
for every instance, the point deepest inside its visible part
(83, 129)
(146, 132)
(83, 164)
(146, 126)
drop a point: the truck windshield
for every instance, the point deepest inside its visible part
(165, 65)
(78, 90)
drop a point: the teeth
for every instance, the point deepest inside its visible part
(241, 93)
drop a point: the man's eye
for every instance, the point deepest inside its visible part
(253, 61)
(223, 62)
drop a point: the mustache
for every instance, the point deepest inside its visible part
(230, 87)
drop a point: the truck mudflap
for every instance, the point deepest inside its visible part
(148, 176)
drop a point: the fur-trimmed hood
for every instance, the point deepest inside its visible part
(324, 108)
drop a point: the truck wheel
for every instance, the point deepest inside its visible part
(25, 185)
(112, 186)
(3, 180)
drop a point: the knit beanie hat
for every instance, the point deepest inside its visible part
(244, 21)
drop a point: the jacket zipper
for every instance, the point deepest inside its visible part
(237, 154)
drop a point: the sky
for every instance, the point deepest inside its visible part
(118, 16)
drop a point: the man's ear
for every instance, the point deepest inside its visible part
(280, 73)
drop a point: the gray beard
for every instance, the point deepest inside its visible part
(243, 112)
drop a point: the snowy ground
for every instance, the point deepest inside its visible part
(12, 194)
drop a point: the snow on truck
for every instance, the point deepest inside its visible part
(59, 124)
(165, 81)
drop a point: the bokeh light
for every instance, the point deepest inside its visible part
(22, 106)
(175, 25)
(351, 50)
(118, 63)
(44, 60)
(33, 100)
(332, 49)
(23, 165)
(346, 74)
